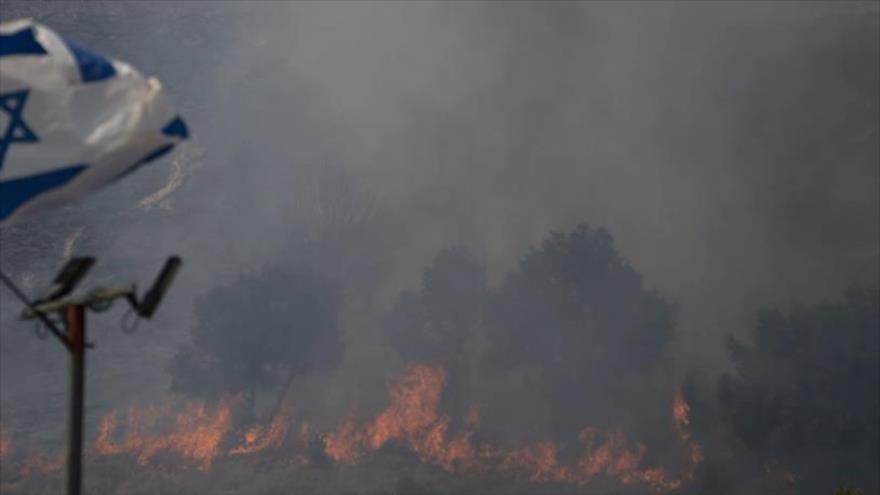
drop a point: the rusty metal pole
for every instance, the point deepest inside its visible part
(76, 335)
(73, 310)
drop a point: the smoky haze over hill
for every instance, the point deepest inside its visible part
(730, 149)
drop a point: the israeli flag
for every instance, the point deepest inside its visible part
(71, 120)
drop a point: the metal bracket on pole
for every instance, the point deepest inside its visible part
(72, 310)
(36, 312)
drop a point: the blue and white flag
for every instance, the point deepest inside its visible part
(71, 120)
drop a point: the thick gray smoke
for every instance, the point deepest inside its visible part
(731, 149)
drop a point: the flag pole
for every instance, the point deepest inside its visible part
(76, 336)
(73, 310)
(74, 341)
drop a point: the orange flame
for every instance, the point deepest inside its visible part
(610, 457)
(262, 437)
(412, 417)
(681, 412)
(196, 434)
(680, 409)
(343, 445)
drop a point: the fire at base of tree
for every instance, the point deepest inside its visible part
(444, 428)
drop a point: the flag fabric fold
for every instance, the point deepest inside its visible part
(72, 120)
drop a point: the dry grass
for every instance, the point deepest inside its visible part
(388, 471)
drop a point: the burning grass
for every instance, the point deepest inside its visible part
(196, 433)
(197, 440)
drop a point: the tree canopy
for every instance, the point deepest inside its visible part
(578, 313)
(573, 313)
(806, 390)
(257, 332)
(434, 323)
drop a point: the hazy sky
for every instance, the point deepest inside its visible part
(730, 148)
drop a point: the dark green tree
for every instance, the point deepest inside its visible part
(577, 313)
(434, 323)
(439, 322)
(260, 332)
(806, 390)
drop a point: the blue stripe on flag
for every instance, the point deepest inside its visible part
(20, 43)
(176, 127)
(157, 153)
(92, 67)
(16, 192)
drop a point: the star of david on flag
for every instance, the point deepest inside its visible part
(16, 130)
(72, 120)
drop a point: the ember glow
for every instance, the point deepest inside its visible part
(40, 463)
(604, 454)
(271, 436)
(27, 462)
(681, 413)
